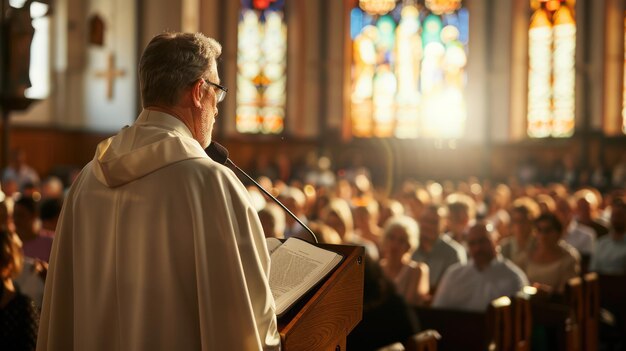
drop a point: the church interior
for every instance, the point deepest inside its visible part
(477, 107)
(89, 89)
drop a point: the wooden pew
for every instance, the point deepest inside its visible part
(423, 341)
(522, 322)
(427, 340)
(500, 324)
(561, 320)
(591, 311)
(471, 331)
(552, 323)
(612, 294)
(458, 329)
(574, 299)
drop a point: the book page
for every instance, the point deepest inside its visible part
(296, 267)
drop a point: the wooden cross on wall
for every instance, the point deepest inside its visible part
(110, 74)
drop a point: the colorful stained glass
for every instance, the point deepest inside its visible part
(262, 67)
(551, 71)
(408, 71)
(539, 75)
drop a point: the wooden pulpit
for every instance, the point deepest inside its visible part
(324, 317)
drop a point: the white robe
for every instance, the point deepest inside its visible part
(157, 248)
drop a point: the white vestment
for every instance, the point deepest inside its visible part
(157, 248)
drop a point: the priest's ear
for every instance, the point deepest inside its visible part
(198, 90)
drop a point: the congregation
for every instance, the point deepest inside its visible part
(432, 244)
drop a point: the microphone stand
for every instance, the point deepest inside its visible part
(232, 164)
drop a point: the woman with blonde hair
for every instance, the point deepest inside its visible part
(400, 239)
(338, 215)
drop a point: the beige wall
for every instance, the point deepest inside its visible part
(78, 98)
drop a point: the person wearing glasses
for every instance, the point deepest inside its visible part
(552, 262)
(158, 247)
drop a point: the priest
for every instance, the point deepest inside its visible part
(158, 247)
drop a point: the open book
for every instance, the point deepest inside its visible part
(296, 267)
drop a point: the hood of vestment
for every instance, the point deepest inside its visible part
(154, 141)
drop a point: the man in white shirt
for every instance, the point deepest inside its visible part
(576, 234)
(609, 256)
(487, 276)
(158, 247)
(438, 251)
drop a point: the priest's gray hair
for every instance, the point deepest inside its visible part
(172, 62)
(406, 223)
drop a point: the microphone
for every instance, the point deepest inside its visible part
(219, 154)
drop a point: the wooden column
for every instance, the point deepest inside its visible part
(5, 113)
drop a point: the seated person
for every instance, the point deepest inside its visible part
(487, 276)
(387, 318)
(366, 222)
(338, 216)
(522, 240)
(400, 239)
(461, 212)
(550, 264)
(272, 220)
(28, 228)
(18, 317)
(438, 251)
(32, 279)
(587, 203)
(609, 256)
(325, 234)
(20, 171)
(295, 200)
(49, 212)
(576, 234)
(388, 208)
(52, 188)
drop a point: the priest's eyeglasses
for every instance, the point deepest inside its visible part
(220, 93)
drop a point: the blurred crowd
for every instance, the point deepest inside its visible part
(457, 244)
(434, 243)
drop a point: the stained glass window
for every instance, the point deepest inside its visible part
(261, 67)
(408, 69)
(551, 71)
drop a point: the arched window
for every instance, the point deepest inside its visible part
(261, 67)
(551, 71)
(409, 68)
